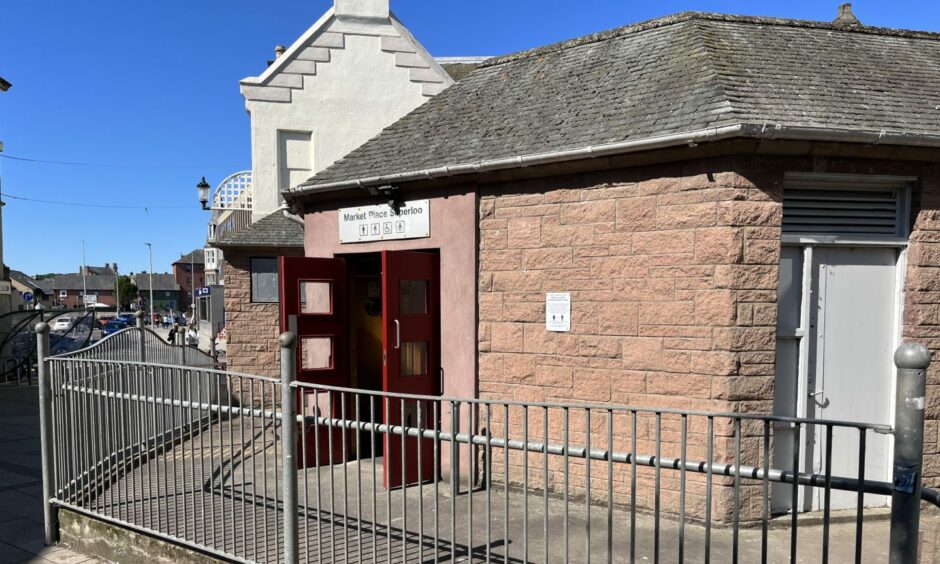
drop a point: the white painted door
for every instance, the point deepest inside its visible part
(850, 374)
(836, 332)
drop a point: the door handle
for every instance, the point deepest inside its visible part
(825, 401)
(397, 334)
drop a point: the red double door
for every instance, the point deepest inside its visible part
(315, 306)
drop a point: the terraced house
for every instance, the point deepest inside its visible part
(702, 211)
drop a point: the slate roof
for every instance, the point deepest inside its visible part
(691, 72)
(74, 282)
(273, 230)
(198, 256)
(459, 67)
(47, 285)
(24, 279)
(459, 71)
(106, 269)
(161, 282)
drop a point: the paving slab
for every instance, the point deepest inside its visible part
(21, 529)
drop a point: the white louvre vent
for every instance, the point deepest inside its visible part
(842, 205)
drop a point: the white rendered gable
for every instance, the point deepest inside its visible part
(313, 50)
(338, 85)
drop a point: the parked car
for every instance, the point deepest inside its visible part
(113, 327)
(62, 324)
(102, 321)
(128, 319)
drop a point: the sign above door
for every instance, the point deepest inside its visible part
(381, 223)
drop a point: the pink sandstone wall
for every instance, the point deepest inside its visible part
(673, 277)
(252, 329)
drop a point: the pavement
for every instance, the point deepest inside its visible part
(220, 488)
(204, 343)
(21, 530)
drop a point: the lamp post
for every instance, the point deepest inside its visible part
(84, 284)
(150, 273)
(203, 189)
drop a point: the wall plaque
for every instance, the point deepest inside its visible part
(381, 223)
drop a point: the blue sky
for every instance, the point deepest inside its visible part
(152, 88)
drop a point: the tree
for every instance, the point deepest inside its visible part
(128, 291)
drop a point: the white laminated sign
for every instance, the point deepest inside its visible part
(381, 223)
(558, 311)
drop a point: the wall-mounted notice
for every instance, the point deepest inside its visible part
(558, 311)
(381, 223)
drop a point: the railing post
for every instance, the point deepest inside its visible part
(140, 334)
(49, 516)
(288, 343)
(912, 360)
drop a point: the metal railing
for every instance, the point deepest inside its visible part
(18, 342)
(204, 458)
(143, 345)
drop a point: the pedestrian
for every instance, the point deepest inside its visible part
(192, 337)
(171, 338)
(166, 321)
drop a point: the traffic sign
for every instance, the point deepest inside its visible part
(27, 297)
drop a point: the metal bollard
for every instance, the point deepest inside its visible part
(288, 342)
(49, 512)
(912, 360)
(140, 334)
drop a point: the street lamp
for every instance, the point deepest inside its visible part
(203, 189)
(150, 272)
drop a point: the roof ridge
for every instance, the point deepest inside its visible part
(682, 17)
(715, 67)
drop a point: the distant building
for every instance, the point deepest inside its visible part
(68, 290)
(108, 268)
(189, 272)
(23, 284)
(166, 292)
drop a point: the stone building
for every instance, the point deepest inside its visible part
(189, 273)
(681, 181)
(252, 293)
(24, 284)
(166, 292)
(353, 72)
(69, 290)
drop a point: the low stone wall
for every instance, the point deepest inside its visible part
(112, 543)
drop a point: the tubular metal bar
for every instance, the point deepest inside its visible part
(859, 509)
(886, 429)
(45, 433)
(709, 449)
(289, 444)
(765, 496)
(699, 466)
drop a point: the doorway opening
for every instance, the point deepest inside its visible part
(371, 322)
(365, 340)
